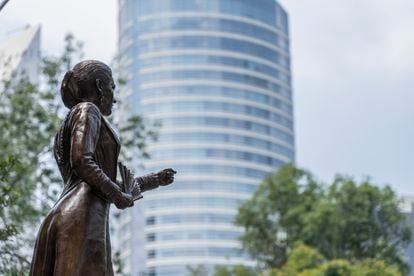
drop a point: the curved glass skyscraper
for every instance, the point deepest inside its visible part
(216, 75)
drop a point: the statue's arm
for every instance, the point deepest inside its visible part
(85, 128)
(154, 180)
(147, 182)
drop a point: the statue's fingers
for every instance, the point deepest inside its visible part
(169, 170)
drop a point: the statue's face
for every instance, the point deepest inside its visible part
(107, 100)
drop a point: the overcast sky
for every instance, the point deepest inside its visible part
(353, 76)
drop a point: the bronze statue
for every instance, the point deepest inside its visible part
(74, 237)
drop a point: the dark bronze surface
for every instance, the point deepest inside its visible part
(74, 237)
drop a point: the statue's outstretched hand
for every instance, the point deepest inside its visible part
(166, 176)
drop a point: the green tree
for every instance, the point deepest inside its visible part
(306, 261)
(221, 270)
(26, 127)
(237, 270)
(346, 220)
(301, 258)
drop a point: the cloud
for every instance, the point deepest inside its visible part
(93, 22)
(352, 72)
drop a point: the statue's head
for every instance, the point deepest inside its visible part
(89, 81)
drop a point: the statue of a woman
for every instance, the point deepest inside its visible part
(74, 237)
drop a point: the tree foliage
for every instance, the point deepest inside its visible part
(306, 261)
(303, 260)
(345, 220)
(222, 270)
(26, 127)
(237, 270)
(135, 135)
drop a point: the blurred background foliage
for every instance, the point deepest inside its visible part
(296, 225)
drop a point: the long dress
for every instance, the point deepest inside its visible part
(74, 237)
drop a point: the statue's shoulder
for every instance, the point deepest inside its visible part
(82, 113)
(86, 108)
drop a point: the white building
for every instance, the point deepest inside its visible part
(216, 76)
(20, 55)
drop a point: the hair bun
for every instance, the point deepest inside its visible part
(69, 91)
(66, 78)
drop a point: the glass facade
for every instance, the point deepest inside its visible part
(215, 75)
